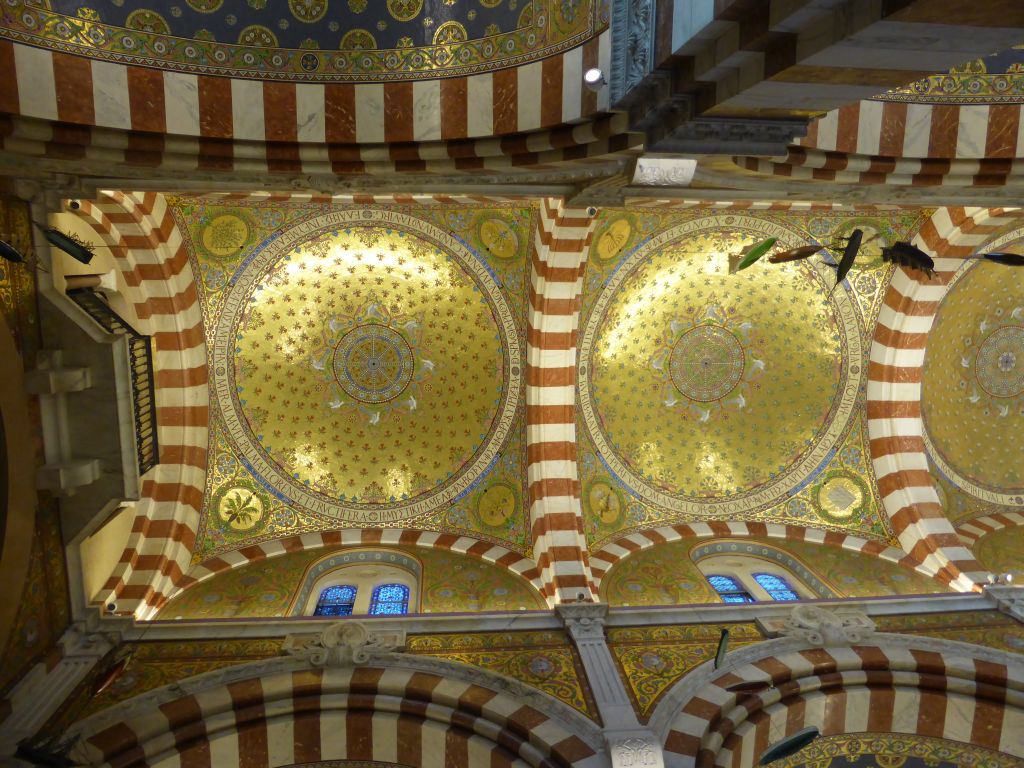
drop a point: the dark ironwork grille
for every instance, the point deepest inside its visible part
(140, 364)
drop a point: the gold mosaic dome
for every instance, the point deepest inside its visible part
(374, 366)
(709, 392)
(973, 382)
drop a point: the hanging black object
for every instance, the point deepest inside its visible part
(66, 242)
(849, 254)
(10, 253)
(910, 256)
(1006, 259)
(723, 648)
(45, 755)
(789, 745)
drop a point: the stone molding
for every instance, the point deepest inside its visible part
(632, 44)
(344, 644)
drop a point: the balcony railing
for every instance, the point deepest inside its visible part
(140, 365)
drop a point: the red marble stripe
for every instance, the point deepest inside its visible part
(215, 118)
(279, 112)
(454, 108)
(505, 101)
(848, 128)
(9, 101)
(551, 92)
(72, 76)
(340, 113)
(398, 112)
(146, 99)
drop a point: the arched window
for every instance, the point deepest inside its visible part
(729, 590)
(336, 601)
(776, 586)
(389, 599)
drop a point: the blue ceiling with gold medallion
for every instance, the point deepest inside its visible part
(308, 40)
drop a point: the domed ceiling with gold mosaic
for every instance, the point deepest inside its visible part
(368, 370)
(973, 383)
(312, 40)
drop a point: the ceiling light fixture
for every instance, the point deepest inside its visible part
(594, 79)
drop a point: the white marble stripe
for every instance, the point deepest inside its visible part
(552, 395)
(369, 106)
(480, 100)
(110, 95)
(604, 63)
(181, 104)
(528, 96)
(917, 131)
(280, 733)
(572, 77)
(869, 127)
(247, 110)
(426, 114)
(37, 90)
(333, 727)
(972, 130)
(310, 112)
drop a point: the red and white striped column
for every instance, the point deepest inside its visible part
(895, 426)
(154, 263)
(559, 260)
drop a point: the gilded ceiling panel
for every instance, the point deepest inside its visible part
(309, 40)
(1002, 551)
(449, 583)
(708, 395)
(545, 660)
(973, 385)
(652, 659)
(367, 369)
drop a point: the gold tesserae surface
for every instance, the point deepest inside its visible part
(368, 364)
(710, 384)
(973, 381)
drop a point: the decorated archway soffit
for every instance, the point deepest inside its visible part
(706, 395)
(367, 369)
(310, 40)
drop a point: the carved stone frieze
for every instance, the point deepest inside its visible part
(632, 45)
(730, 136)
(819, 626)
(344, 643)
(635, 749)
(585, 621)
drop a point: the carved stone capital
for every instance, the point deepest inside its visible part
(585, 621)
(634, 749)
(819, 626)
(343, 644)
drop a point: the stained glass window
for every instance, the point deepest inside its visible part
(336, 601)
(389, 599)
(776, 586)
(729, 590)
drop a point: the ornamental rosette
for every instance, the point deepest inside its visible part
(372, 361)
(706, 363)
(993, 363)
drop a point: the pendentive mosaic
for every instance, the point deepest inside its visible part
(310, 40)
(546, 660)
(701, 399)
(376, 373)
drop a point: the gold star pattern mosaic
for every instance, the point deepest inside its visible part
(371, 366)
(973, 383)
(840, 494)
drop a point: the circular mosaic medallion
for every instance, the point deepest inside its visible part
(204, 6)
(257, 36)
(496, 505)
(147, 21)
(614, 238)
(840, 496)
(1000, 365)
(240, 508)
(225, 235)
(499, 237)
(712, 394)
(405, 10)
(373, 363)
(358, 40)
(449, 32)
(370, 367)
(707, 363)
(308, 10)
